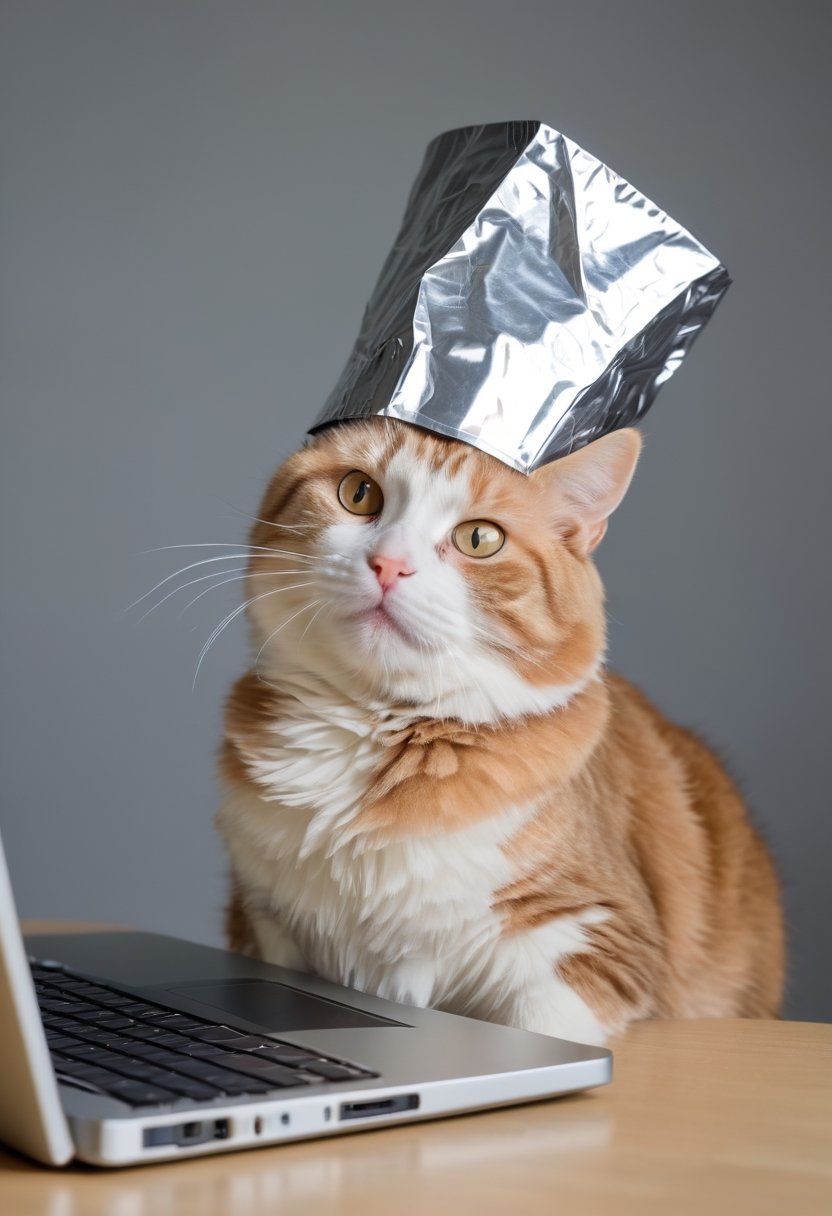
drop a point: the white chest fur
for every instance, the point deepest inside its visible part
(409, 920)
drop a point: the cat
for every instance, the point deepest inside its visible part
(434, 790)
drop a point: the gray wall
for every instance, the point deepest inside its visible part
(196, 198)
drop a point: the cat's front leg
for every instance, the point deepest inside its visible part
(275, 943)
(260, 934)
(556, 1009)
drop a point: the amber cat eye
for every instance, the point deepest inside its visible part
(359, 494)
(478, 538)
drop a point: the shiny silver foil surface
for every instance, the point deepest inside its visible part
(532, 302)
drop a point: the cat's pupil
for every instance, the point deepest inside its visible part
(361, 492)
(475, 539)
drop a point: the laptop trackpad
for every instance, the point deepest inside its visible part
(277, 1007)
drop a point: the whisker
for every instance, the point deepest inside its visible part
(207, 544)
(239, 576)
(312, 621)
(226, 557)
(274, 633)
(202, 578)
(270, 523)
(240, 572)
(207, 561)
(232, 615)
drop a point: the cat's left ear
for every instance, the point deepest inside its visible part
(585, 488)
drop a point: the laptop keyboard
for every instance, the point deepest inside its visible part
(144, 1054)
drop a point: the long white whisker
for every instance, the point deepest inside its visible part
(205, 544)
(312, 620)
(270, 523)
(240, 572)
(226, 557)
(239, 575)
(207, 561)
(202, 578)
(275, 632)
(232, 615)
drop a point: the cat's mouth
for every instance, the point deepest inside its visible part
(381, 621)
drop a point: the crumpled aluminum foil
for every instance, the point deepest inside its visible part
(532, 302)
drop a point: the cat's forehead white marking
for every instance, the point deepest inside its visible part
(413, 490)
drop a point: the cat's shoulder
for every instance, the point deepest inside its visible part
(640, 728)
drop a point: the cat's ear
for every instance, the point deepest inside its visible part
(585, 488)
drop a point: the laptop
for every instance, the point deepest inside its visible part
(118, 1048)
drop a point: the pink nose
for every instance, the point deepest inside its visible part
(388, 569)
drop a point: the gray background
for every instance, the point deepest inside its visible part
(196, 198)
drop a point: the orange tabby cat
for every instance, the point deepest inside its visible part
(435, 791)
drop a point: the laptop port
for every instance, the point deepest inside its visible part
(184, 1135)
(378, 1106)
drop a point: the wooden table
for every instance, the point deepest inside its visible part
(702, 1117)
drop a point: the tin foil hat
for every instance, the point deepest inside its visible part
(532, 302)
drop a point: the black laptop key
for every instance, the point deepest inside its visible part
(245, 1042)
(138, 1069)
(102, 1078)
(284, 1053)
(185, 1087)
(47, 975)
(149, 1014)
(265, 1070)
(228, 1082)
(168, 1038)
(250, 1064)
(178, 1022)
(234, 1083)
(135, 1093)
(80, 1050)
(197, 1091)
(69, 1068)
(138, 1031)
(60, 979)
(88, 1051)
(141, 1049)
(203, 1050)
(91, 1014)
(56, 1041)
(57, 1004)
(161, 1056)
(64, 1025)
(333, 1072)
(106, 996)
(104, 1037)
(108, 1000)
(217, 1034)
(194, 1068)
(103, 1058)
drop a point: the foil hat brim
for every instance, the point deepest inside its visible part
(533, 299)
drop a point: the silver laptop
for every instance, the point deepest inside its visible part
(118, 1048)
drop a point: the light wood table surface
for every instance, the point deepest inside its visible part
(701, 1117)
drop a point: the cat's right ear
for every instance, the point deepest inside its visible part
(585, 487)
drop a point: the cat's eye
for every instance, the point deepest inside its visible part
(359, 494)
(478, 538)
